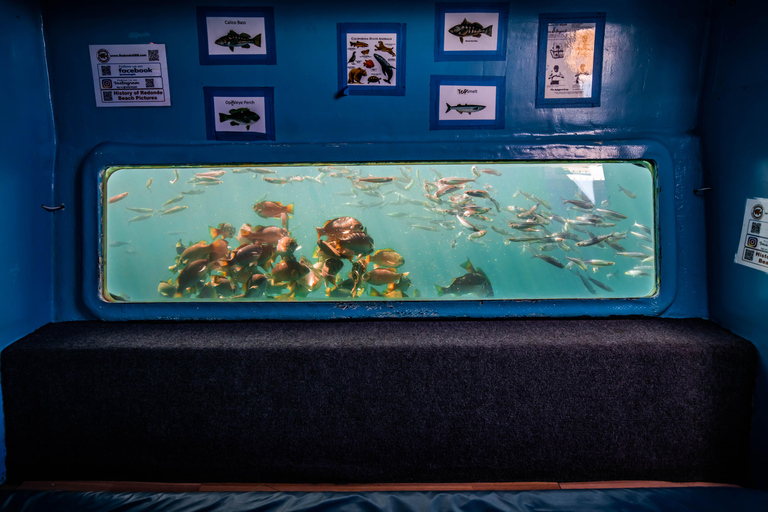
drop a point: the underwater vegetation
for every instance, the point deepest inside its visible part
(558, 235)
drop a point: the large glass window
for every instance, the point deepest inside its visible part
(395, 231)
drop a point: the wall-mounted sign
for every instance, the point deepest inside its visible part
(466, 102)
(753, 243)
(472, 31)
(371, 58)
(236, 35)
(130, 75)
(570, 66)
(239, 113)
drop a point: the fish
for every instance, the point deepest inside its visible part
(175, 209)
(386, 67)
(388, 258)
(173, 200)
(464, 108)
(587, 284)
(469, 29)
(198, 251)
(455, 181)
(351, 244)
(374, 179)
(245, 255)
(240, 116)
(262, 234)
(285, 247)
(593, 241)
(382, 275)
(166, 288)
(637, 273)
(141, 210)
(578, 262)
(139, 218)
(208, 292)
(225, 230)
(117, 198)
(423, 227)
(288, 271)
(585, 204)
(193, 192)
(642, 227)
(601, 285)
(369, 64)
(175, 177)
(358, 44)
(473, 282)
(642, 236)
(118, 244)
(207, 183)
(599, 263)
(365, 52)
(331, 267)
(223, 286)
(275, 181)
(630, 254)
(492, 172)
(148, 184)
(191, 276)
(627, 192)
(210, 174)
(261, 170)
(352, 58)
(477, 234)
(388, 49)
(234, 40)
(549, 259)
(269, 209)
(611, 214)
(340, 226)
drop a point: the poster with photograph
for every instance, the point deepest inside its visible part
(471, 31)
(239, 35)
(466, 102)
(239, 113)
(570, 61)
(371, 58)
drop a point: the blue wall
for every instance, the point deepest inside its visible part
(26, 177)
(735, 149)
(651, 79)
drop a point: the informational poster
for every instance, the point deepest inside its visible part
(239, 113)
(753, 242)
(570, 60)
(236, 35)
(471, 31)
(130, 75)
(371, 58)
(466, 102)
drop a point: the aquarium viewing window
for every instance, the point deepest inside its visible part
(406, 231)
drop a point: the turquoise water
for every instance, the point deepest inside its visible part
(396, 215)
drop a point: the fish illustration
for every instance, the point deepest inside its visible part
(368, 63)
(467, 29)
(355, 75)
(386, 67)
(388, 49)
(238, 116)
(464, 108)
(365, 52)
(358, 44)
(352, 58)
(243, 40)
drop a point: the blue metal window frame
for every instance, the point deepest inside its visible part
(268, 93)
(466, 124)
(342, 29)
(597, 67)
(500, 53)
(252, 12)
(221, 154)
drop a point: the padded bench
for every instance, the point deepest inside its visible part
(380, 401)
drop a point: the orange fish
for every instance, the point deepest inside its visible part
(225, 230)
(118, 197)
(267, 209)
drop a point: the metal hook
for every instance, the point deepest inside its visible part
(53, 208)
(698, 191)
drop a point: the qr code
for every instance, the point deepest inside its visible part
(106, 70)
(106, 95)
(754, 229)
(749, 254)
(149, 82)
(153, 55)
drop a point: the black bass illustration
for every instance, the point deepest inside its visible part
(386, 67)
(238, 116)
(464, 108)
(467, 29)
(243, 40)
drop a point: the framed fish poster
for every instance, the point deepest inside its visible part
(570, 66)
(236, 35)
(472, 31)
(466, 102)
(371, 59)
(239, 113)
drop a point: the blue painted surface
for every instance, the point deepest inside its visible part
(26, 174)
(734, 112)
(650, 91)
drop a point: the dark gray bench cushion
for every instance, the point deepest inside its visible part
(376, 401)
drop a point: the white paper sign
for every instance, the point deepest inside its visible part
(753, 243)
(236, 36)
(239, 114)
(371, 59)
(467, 103)
(471, 31)
(130, 75)
(570, 57)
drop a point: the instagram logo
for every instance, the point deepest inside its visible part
(751, 242)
